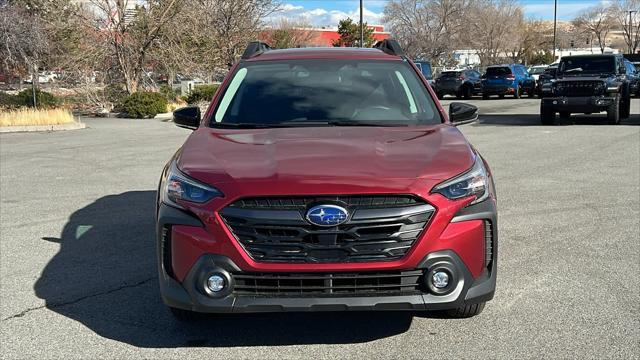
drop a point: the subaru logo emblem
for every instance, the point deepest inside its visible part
(327, 215)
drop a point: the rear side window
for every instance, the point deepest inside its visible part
(325, 90)
(450, 74)
(630, 69)
(498, 71)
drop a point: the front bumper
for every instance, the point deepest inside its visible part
(579, 104)
(448, 88)
(188, 292)
(498, 90)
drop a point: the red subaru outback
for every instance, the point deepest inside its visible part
(326, 179)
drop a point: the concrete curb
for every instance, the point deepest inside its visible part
(30, 128)
(164, 116)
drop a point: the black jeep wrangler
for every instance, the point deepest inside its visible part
(587, 84)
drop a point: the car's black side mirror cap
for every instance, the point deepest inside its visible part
(187, 117)
(462, 113)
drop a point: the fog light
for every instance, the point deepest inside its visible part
(440, 279)
(215, 283)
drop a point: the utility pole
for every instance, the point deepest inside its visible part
(555, 21)
(361, 25)
(631, 38)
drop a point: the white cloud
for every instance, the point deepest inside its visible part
(290, 7)
(323, 17)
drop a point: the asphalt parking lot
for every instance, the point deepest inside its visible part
(77, 256)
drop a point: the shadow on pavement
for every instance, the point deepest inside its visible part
(104, 276)
(534, 120)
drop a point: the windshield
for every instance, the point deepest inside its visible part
(325, 92)
(587, 65)
(498, 71)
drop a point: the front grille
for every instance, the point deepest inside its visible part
(301, 203)
(579, 88)
(381, 228)
(328, 284)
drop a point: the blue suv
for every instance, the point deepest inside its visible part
(512, 79)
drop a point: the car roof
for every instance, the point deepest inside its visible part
(324, 53)
(591, 55)
(503, 65)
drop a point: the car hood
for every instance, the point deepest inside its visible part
(362, 155)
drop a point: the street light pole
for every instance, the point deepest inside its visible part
(555, 14)
(361, 26)
(631, 30)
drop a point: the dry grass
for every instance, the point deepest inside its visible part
(24, 117)
(175, 105)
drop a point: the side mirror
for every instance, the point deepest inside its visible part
(462, 113)
(187, 117)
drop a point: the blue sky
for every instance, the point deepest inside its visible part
(327, 13)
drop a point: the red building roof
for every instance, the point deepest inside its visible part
(323, 37)
(326, 37)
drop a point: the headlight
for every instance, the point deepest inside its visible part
(177, 186)
(473, 182)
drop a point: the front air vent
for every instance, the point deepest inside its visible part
(488, 244)
(165, 249)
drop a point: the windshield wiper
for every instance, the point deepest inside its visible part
(364, 123)
(245, 126)
(288, 124)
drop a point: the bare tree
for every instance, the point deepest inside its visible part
(131, 29)
(596, 20)
(229, 25)
(429, 29)
(23, 41)
(626, 15)
(491, 29)
(531, 40)
(287, 33)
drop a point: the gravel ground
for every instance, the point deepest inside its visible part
(77, 261)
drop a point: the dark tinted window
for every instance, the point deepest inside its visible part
(498, 71)
(587, 65)
(450, 74)
(272, 93)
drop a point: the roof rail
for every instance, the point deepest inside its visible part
(255, 48)
(389, 46)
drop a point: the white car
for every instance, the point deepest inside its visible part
(535, 71)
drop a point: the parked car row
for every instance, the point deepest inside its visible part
(500, 80)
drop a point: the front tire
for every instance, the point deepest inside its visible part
(466, 311)
(467, 92)
(547, 115)
(613, 113)
(485, 96)
(625, 107)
